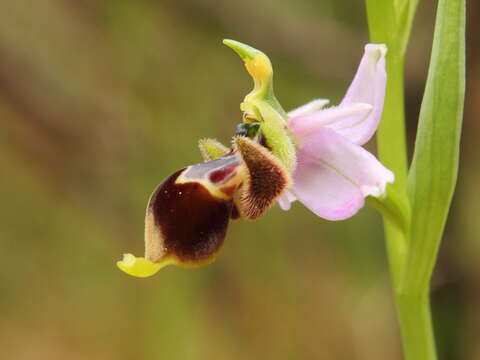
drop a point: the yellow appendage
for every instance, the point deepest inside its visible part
(139, 266)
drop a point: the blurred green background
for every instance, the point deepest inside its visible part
(100, 100)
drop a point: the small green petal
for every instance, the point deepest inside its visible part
(211, 149)
(277, 138)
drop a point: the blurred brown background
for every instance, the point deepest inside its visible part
(100, 100)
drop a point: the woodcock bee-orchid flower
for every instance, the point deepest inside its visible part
(188, 214)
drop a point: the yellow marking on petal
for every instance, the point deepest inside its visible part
(140, 267)
(215, 190)
(259, 67)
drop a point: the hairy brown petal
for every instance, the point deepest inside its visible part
(266, 178)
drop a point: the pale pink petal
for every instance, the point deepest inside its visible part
(350, 160)
(368, 86)
(370, 74)
(308, 108)
(324, 191)
(334, 117)
(359, 113)
(334, 175)
(285, 200)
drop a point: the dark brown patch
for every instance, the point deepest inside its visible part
(262, 140)
(192, 221)
(235, 213)
(266, 180)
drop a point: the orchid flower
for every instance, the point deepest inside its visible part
(311, 154)
(334, 174)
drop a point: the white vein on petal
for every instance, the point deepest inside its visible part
(377, 190)
(308, 108)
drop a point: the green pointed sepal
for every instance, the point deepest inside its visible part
(212, 149)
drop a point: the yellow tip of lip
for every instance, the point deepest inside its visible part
(138, 266)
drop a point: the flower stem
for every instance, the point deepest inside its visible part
(433, 174)
(413, 307)
(391, 136)
(413, 310)
(392, 151)
(416, 326)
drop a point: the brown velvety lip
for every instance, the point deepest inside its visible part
(192, 222)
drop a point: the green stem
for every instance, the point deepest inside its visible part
(416, 326)
(391, 138)
(397, 249)
(392, 150)
(413, 310)
(396, 209)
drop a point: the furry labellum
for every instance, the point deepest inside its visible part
(188, 214)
